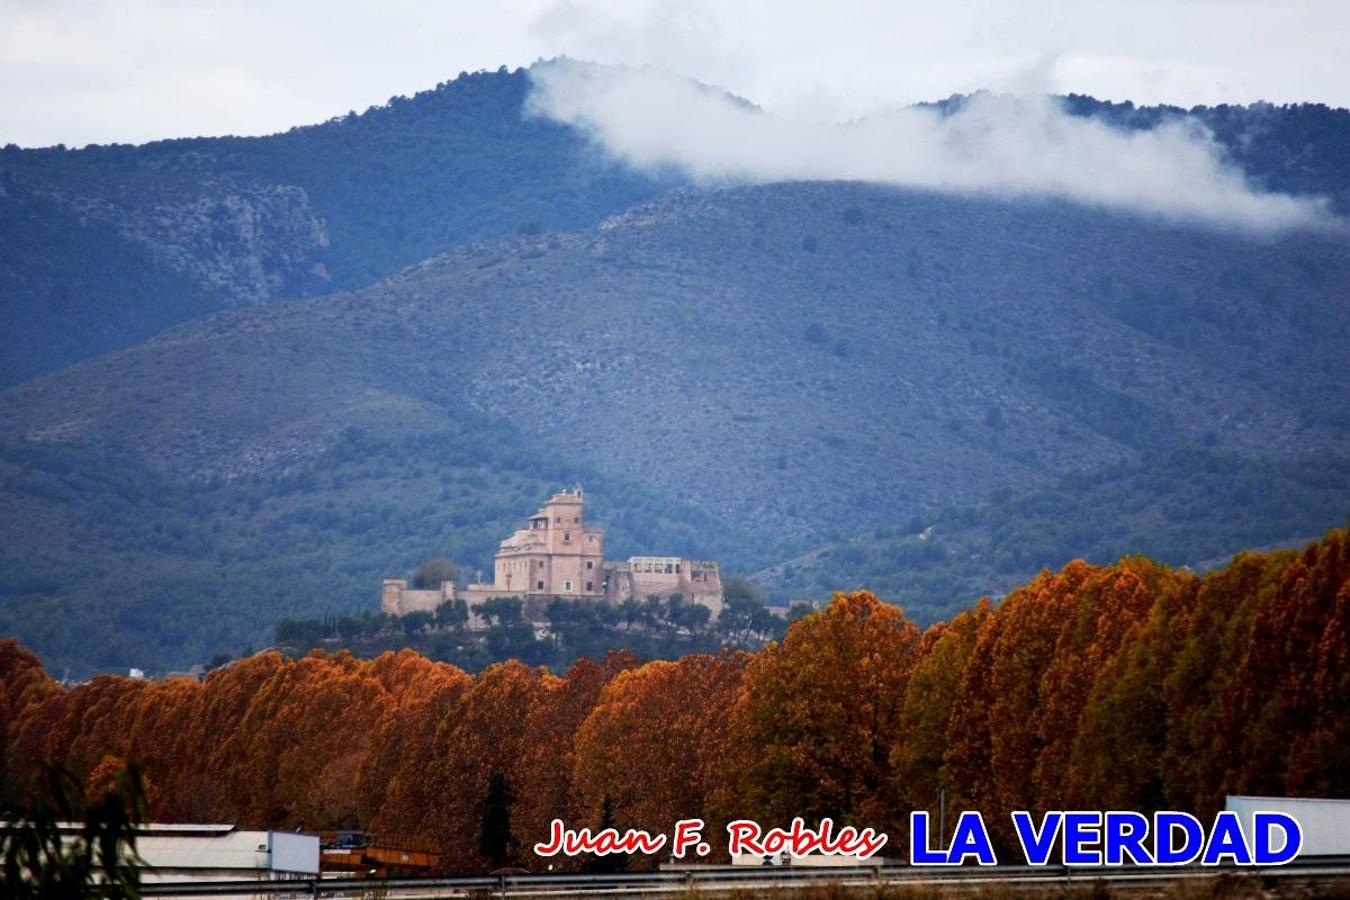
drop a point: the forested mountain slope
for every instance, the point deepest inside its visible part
(748, 373)
(104, 246)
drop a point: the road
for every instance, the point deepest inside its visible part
(728, 879)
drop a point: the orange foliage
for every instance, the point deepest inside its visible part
(1122, 730)
(1104, 609)
(393, 791)
(654, 743)
(993, 735)
(930, 698)
(817, 717)
(1292, 676)
(23, 684)
(1124, 686)
(543, 784)
(486, 735)
(1198, 684)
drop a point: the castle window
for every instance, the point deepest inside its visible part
(567, 536)
(590, 586)
(541, 586)
(567, 587)
(590, 564)
(576, 519)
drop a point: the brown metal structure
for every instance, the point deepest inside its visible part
(373, 860)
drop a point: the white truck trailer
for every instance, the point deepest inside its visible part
(1325, 823)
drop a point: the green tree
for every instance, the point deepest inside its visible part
(743, 611)
(653, 612)
(740, 588)
(452, 614)
(432, 573)
(514, 640)
(414, 622)
(693, 616)
(631, 612)
(611, 862)
(501, 610)
(494, 840)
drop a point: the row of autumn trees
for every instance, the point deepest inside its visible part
(1129, 686)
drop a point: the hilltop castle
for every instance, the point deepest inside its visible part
(557, 554)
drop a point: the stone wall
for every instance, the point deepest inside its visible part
(397, 599)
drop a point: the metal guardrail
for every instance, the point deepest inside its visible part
(727, 878)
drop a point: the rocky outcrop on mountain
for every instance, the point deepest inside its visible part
(249, 243)
(90, 266)
(107, 245)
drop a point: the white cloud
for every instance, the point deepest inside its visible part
(1006, 145)
(77, 71)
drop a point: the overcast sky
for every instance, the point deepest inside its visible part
(82, 71)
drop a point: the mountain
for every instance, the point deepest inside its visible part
(1187, 506)
(748, 373)
(1301, 149)
(104, 246)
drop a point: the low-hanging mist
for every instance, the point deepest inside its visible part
(999, 145)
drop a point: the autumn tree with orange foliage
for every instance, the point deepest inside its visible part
(1289, 691)
(1216, 629)
(818, 717)
(393, 790)
(1104, 609)
(993, 737)
(23, 683)
(653, 746)
(485, 736)
(1118, 745)
(919, 760)
(215, 753)
(544, 785)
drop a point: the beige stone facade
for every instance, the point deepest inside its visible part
(557, 554)
(697, 580)
(397, 599)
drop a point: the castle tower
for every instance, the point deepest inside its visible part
(556, 554)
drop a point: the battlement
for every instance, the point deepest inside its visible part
(670, 565)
